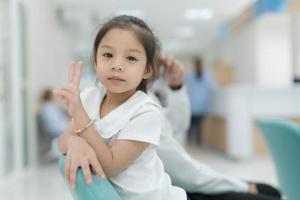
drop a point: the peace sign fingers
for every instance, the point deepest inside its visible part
(74, 79)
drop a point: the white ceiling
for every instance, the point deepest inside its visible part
(165, 18)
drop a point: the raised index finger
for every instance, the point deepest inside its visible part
(77, 77)
(71, 72)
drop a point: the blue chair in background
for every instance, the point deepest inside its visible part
(283, 141)
(100, 189)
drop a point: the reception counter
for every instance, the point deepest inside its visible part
(236, 108)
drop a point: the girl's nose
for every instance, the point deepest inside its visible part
(117, 68)
(117, 65)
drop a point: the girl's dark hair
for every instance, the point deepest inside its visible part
(145, 37)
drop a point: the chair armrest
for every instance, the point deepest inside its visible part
(99, 189)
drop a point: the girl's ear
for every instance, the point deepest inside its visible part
(148, 72)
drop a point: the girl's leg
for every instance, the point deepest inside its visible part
(266, 189)
(230, 196)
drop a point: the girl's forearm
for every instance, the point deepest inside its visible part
(62, 144)
(104, 154)
(64, 139)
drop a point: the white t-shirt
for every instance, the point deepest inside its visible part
(139, 119)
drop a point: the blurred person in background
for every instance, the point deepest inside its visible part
(170, 92)
(52, 118)
(195, 177)
(200, 85)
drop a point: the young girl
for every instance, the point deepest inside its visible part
(116, 126)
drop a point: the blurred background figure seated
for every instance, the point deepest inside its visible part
(52, 120)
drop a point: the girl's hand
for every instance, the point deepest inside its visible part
(70, 94)
(80, 154)
(174, 73)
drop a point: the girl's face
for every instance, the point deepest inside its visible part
(121, 61)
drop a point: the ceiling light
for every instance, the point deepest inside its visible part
(195, 14)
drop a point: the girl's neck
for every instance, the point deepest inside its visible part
(112, 101)
(115, 100)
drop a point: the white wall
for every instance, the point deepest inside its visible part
(49, 53)
(238, 51)
(274, 51)
(295, 28)
(49, 50)
(2, 149)
(260, 52)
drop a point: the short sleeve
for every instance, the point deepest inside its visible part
(90, 98)
(145, 126)
(84, 96)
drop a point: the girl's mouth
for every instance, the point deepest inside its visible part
(115, 79)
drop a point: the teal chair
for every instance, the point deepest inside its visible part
(283, 141)
(100, 189)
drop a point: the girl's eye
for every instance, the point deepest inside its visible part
(131, 58)
(107, 55)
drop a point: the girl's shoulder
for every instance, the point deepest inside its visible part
(147, 101)
(142, 120)
(144, 104)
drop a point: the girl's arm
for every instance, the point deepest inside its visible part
(115, 159)
(79, 153)
(64, 138)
